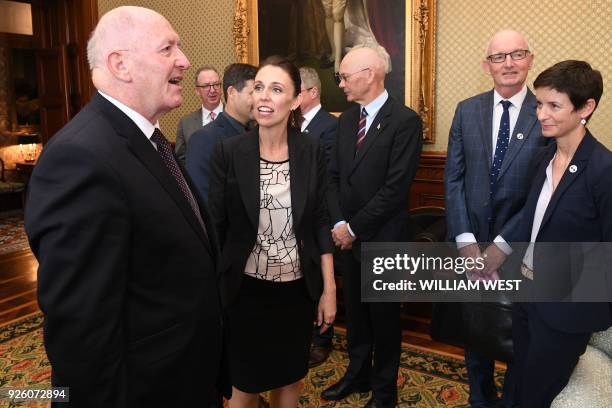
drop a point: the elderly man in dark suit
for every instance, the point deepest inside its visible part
(491, 142)
(208, 89)
(371, 168)
(237, 89)
(126, 279)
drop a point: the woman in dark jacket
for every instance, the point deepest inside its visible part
(569, 204)
(276, 267)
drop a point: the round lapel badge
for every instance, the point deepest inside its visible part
(573, 168)
(519, 136)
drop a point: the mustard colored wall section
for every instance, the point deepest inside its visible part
(556, 31)
(205, 28)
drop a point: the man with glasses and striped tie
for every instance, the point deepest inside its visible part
(371, 168)
(208, 88)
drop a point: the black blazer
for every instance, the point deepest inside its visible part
(126, 279)
(580, 210)
(370, 190)
(323, 126)
(234, 204)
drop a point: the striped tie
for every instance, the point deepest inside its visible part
(361, 134)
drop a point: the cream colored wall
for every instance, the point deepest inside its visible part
(205, 28)
(556, 31)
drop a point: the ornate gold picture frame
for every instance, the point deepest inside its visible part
(419, 80)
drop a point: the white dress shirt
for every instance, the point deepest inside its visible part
(143, 123)
(206, 119)
(309, 116)
(543, 201)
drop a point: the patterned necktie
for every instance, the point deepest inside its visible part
(361, 134)
(212, 115)
(165, 151)
(503, 137)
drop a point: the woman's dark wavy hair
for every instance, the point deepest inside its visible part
(577, 79)
(295, 117)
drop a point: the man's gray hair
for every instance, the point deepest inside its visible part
(310, 78)
(205, 68)
(382, 53)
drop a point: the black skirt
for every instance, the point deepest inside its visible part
(270, 329)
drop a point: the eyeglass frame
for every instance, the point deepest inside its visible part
(344, 77)
(505, 54)
(215, 85)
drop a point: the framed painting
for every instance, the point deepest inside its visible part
(307, 31)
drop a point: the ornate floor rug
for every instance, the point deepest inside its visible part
(12, 233)
(426, 378)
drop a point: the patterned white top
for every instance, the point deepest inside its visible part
(275, 255)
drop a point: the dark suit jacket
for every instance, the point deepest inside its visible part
(468, 165)
(370, 190)
(201, 145)
(126, 278)
(323, 126)
(234, 204)
(187, 126)
(580, 211)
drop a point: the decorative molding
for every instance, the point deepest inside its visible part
(241, 31)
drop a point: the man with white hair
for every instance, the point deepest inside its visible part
(491, 142)
(126, 279)
(371, 168)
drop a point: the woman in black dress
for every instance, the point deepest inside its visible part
(267, 191)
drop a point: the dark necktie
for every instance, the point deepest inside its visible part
(503, 137)
(164, 150)
(361, 134)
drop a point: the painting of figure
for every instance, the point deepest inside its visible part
(318, 33)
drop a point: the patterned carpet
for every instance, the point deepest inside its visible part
(12, 234)
(426, 379)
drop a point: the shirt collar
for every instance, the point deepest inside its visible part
(311, 113)
(238, 127)
(143, 123)
(373, 107)
(217, 110)
(516, 100)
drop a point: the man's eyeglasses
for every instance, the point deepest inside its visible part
(344, 77)
(515, 55)
(215, 85)
(306, 89)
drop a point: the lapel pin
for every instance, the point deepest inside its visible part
(573, 168)
(305, 131)
(378, 126)
(519, 136)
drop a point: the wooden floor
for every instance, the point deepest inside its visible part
(18, 299)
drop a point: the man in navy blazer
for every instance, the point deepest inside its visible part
(237, 89)
(481, 208)
(126, 252)
(317, 122)
(320, 125)
(372, 166)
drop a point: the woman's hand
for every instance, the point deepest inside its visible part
(326, 313)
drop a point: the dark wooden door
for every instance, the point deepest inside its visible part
(51, 66)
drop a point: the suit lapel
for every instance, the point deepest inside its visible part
(378, 126)
(314, 123)
(578, 164)
(347, 135)
(246, 166)
(525, 122)
(486, 124)
(149, 157)
(298, 167)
